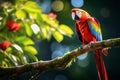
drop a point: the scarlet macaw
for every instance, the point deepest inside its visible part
(88, 29)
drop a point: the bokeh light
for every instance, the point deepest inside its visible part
(45, 5)
(56, 53)
(54, 46)
(105, 12)
(77, 3)
(83, 56)
(61, 77)
(57, 5)
(83, 60)
(58, 50)
(83, 63)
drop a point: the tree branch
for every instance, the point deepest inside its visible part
(59, 63)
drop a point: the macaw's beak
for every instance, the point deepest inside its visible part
(76, 17)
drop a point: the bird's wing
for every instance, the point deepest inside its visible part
(94, 27)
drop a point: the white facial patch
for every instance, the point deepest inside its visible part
(78, 13)
(73, 15)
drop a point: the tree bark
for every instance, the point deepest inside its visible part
(59, 63)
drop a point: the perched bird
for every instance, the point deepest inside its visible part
(88, 29)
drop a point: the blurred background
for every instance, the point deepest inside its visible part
(108, 14)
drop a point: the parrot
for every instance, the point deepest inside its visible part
(88, 30)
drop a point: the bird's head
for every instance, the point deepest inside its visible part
(79, 14)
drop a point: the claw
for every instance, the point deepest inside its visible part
(104, 51)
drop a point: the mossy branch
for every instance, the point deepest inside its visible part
(59, 63)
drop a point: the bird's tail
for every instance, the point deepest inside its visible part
(100, 65)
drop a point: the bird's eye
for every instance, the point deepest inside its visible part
(73, 15)
(78, 13)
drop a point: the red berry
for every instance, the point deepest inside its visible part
(52, 15)
(13, 25)
(4, 45)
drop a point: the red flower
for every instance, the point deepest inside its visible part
(13, 25)
(4, 45)
(52, 15)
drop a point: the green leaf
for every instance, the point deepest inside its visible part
(20, 14)
(31, 6)
(17, 52)
(33, 58)
(38, 36)
(22, 58)
(52, 22)
(31, 52)
(4, 64)
(58, 36)
(33, 15)
(9, 59)
(17, 47)
(1, 57)
(65, 30)
(30, 49)
(9, 49)
(44, 33)
(39, 20)
(25, 40)
(28, 29)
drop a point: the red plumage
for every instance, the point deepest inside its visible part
(88, 29)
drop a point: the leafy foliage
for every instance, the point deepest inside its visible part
(19, 23)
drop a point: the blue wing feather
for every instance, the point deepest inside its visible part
(94, 27)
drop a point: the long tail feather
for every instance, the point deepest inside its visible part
(100, 65)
